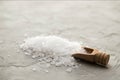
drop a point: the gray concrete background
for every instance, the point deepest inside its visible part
(95, 23)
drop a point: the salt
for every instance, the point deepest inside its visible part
(58, 64)
(33, 69)
(33, 57)
(52, 50)
(46, 71)
(26, 53)
(69, 70)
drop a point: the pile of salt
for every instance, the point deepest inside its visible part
(52, 50)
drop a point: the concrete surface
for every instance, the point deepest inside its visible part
(95, 23)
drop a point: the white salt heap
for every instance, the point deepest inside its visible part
(52, 50)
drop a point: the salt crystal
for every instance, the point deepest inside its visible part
(33, 56)
(46, 71)
(33, 69)
(58, 64)
(52, 50)
(69, 70)
(26, 53)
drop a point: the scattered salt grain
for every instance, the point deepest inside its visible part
(58, 64)
(33, 56)
(69, 70)
(46, 71)
(33, 69)
(26, 53)
(52, 50)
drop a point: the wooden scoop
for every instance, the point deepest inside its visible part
(93, 55)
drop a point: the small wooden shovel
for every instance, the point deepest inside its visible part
(93, 55)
